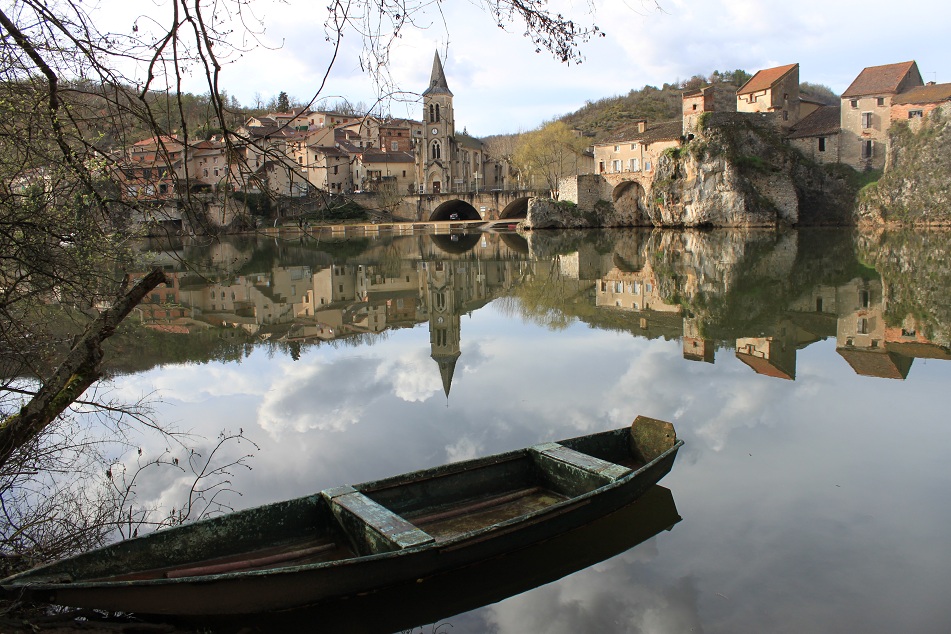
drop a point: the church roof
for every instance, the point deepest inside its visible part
(437, 82)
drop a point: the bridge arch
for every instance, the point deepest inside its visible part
(631, 188)
(456, 243)
(518, 208)
(460, 208)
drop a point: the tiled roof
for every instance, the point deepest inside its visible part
(934, 93)
(328, 151)
(823, 121)
(879, 79)
(387, 157)
(764, 366)
(468, 141)
(664, 131)
(886, 365)
(764, 79)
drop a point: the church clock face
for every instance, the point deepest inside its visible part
(435, 130)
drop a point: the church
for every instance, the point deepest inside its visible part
(447, 161)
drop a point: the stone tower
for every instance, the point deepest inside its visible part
(434, 164)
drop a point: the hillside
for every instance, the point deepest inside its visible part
(602, 118)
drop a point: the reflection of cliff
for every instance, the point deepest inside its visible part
(916, 275)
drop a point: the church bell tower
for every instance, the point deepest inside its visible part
(435, 150)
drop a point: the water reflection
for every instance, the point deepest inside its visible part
(806, 496)
(765, 295)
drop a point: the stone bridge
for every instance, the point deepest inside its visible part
(489, 205)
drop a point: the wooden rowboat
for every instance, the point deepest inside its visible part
(355, 539)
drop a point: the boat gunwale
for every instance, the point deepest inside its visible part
(21, 581)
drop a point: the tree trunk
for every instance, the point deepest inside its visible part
(78, 371)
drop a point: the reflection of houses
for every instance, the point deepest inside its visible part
(622, 287)
(697, 347)
(860, 338)
(773, 356)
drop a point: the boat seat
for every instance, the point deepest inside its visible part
(371, 527)
(575, 472)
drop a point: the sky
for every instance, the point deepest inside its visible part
(501, 85)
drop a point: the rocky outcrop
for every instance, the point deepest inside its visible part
(915, 188)
(740, 172)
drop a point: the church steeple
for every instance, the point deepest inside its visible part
(437, 81)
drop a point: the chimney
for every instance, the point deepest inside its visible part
(930, 83)
(641, 126)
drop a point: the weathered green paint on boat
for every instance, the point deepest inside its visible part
(354, 539)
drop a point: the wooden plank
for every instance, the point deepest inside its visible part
(373, 527)
(583, 461)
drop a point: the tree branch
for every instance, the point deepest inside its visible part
(78, 371)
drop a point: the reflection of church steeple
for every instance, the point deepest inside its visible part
(444, 322)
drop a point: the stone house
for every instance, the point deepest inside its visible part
(208, 163)
(772, 90)
(396, 135)
(712, 98)
(637, 150)
(374, 170)
(866, 112)
(328, 168)
(817, 135)
(915, 104)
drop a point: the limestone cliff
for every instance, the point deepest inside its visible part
(915, 188)
(739, 171)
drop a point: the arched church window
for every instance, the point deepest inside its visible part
(432, 116)
(437, 112)
(436, 150)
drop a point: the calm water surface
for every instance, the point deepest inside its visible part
(808, 374)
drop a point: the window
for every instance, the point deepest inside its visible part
(616, 165)
(647, 166)
(437, 112)
(436, 151)
(432, 114)
(880, 101)
(862, 326)
(205, 172)
(866, 120)
(404, 176)
(867, 149)
(864, 298)
(785, 115)
(694, 106)
(601, 167)
(914, 114)
(635, 167)
(336, 169)
(633, 146)
(617, 148)
(395, 145)
(822, 144)
(854, 103)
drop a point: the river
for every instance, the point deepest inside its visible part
(805, 371)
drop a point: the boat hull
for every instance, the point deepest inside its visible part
(289, 587)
